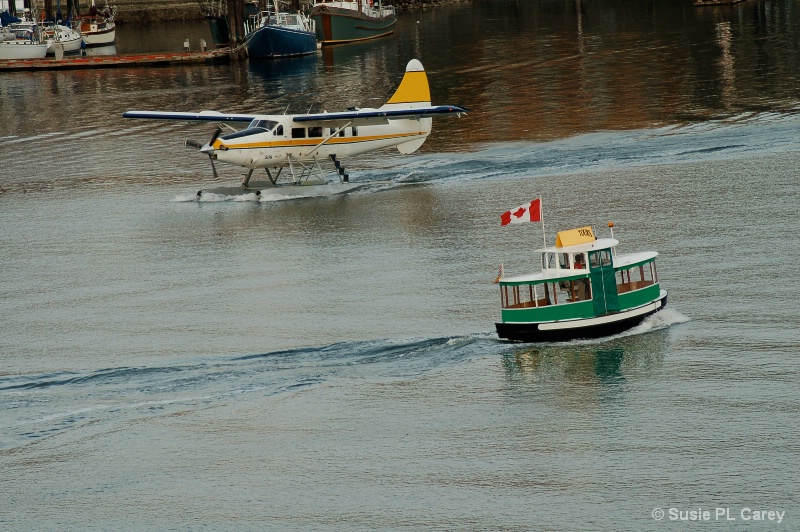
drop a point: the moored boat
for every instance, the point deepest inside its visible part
(340, 22)
(585, 289)
(22, 42)
(275, 33)
(58, 35)
(99, 28)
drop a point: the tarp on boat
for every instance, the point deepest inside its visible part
(572, 237)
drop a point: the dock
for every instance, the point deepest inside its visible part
(116, 61)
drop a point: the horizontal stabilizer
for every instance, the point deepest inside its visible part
(212, 116)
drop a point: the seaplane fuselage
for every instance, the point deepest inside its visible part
(271, 140)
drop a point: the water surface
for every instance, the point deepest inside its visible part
(331, 363)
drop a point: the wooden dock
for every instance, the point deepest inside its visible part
(116, 61)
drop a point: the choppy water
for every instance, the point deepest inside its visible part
(331, 363)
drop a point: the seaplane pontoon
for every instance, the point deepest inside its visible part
(585, 290)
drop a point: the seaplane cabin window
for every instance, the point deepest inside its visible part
(278, 131)
(298, 132)
(355, 131)
(341, 132)
(315, 131)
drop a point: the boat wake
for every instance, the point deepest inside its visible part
(50, 403)
(660, 320)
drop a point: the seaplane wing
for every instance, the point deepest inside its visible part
(211, 116)
(362, 117)
(302, 141)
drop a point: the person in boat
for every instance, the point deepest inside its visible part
(579, 264)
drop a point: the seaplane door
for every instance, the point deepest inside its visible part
(604, 282)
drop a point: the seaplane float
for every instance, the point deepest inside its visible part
(292, 148)
(585, 289)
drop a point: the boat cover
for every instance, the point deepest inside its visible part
(572, 237)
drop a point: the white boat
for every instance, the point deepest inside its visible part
(57, 34)
(22, 43)
(98, 28)
(54, 35)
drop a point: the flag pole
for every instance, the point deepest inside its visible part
(541, 214)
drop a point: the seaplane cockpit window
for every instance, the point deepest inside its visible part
(266, 125)
(278, 130)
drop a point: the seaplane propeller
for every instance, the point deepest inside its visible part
(209, 151)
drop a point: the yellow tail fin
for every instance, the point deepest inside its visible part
(414, 87)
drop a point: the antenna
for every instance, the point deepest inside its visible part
(613, 249)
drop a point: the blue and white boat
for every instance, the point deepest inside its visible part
(274, 33)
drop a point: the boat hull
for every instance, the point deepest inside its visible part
(23, 50)
(70, 46)
(102, 37)
(270, 42)
(598, 327)
(335, 25)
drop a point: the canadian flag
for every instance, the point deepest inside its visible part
(530, 212)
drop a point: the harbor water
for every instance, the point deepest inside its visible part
(331, 363)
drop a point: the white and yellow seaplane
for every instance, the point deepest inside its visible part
(302, 143)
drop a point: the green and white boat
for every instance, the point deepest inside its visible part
(584, 290)
(341, 22)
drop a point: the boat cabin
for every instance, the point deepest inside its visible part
(581, 277)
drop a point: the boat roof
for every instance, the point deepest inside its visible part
(594, 245)
(552, 274)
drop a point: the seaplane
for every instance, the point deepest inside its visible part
(297, 145)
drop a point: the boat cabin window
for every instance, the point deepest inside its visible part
(549, 260)
(598, 257)
(579, 261)
(315, 131)
(637, 277)
(298, 132)
(545, 294)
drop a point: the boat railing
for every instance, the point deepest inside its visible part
(270, 17)
(368, 7)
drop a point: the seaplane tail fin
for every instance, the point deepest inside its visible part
(413, 90)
